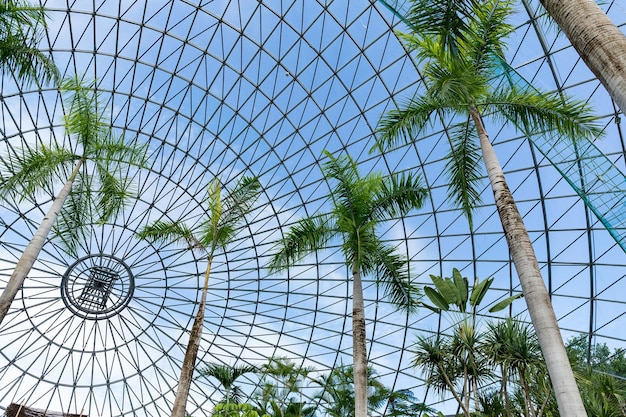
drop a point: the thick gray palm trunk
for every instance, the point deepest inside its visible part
(535, 292)
(31, 253)
(359, 351)
(189, 361)
(600, 44)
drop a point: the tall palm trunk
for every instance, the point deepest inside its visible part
(189, 361)
(358, 345)
(534, 289)
(600, 44)
(30, 254)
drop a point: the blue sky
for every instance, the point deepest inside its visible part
(263, 88)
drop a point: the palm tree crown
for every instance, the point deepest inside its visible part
(359, 205)
(226, 375)
(93, 163)
(459, 68)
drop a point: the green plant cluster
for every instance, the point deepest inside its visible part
(286, 389)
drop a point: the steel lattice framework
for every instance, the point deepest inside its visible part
(222, 88)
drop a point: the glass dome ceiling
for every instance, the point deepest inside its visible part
(225, 88)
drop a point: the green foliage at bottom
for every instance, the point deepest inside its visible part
(236, 410)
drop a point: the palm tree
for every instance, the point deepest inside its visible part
(339, 391)
(281, 388)
(455, 363)
(227, 375)
(460, 50)
(359, 205)
(459, 357)
(598, 41)
(403, 403)
(225, 214)
(91, 171)
(513, 347)
(20, 32)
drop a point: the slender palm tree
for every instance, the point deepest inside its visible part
(226, 376)
(455, 363)
(96, 185)
(359, 205)
(338, 392)
(403, 403)
(283, 382)
(224, 216)
(513, 347)
(460, 50)
(20, 32)
(598, 41)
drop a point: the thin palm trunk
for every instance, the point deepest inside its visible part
(505, 393)
(359, 345)
(600, 44)
(476, 399)
(530, 410)
(467, 392)
(31, 253)
(189, 362)
(455, 394)
(534, 289)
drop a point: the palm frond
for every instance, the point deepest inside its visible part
(464, 169)
(240, 200)
(215, 237)
(226, 213)
(112, 159)
(112, 195)
(344, 171)
(75, 218)
(226, 374)
(84, 118)
(27, 63)
(431, 356)
(401, 126)
(211, 226)
(20, 26)
(168, 231)
(392, 273)
(453, 82)
(534, 112)
(306, 236)
(28, 171)
(13, 13)
(489, 27)
(444, 19)
(397, 195)
(116, 151)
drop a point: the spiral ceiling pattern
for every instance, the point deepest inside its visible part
(224, 88)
